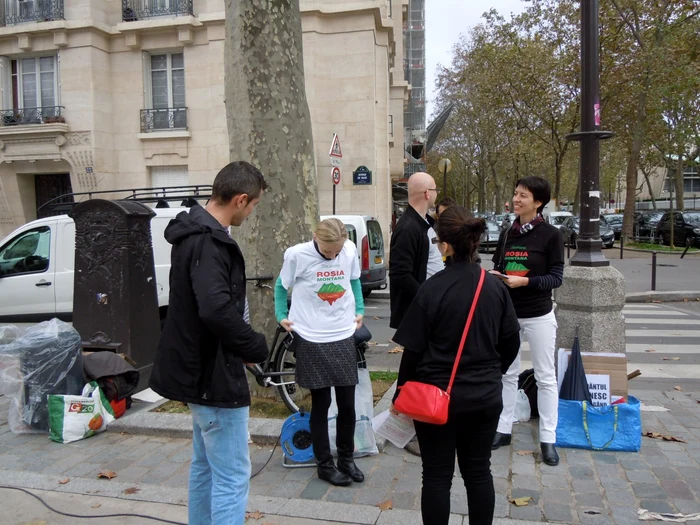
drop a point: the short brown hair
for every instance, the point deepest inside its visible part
(237, 178)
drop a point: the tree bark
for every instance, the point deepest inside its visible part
(680, 204)
(633, 163)
(269, 125)
(651, 190)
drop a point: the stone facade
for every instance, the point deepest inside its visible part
(103, 71)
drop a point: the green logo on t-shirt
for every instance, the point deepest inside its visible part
(330, 292)
(514, 268)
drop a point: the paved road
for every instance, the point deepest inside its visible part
(671, 330)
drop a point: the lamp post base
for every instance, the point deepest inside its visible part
(589, 253)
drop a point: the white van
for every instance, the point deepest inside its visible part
(556, 218)
(37, 262)
(366, 233)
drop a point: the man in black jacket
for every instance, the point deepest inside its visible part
(205, 343)
(410, 249)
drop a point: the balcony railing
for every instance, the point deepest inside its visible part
(18, 11)
(163, 119)
(23, 116)
(133, 10)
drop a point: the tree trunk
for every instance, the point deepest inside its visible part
(680, 205)
(651, 190)
(633, 163)
(269, 125)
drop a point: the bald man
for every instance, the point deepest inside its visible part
(413, 257)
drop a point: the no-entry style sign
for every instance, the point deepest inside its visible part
(335, 175)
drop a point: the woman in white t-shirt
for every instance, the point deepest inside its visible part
(326, 310)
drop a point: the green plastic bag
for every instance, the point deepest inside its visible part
(72, 418)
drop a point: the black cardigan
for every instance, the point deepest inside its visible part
(408, 261)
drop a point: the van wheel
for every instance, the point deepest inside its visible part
(365, 293)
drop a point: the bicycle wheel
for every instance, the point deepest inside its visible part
(293, 396)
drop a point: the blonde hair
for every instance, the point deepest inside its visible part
(331, 231)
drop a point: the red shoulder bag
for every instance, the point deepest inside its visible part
(429, 403)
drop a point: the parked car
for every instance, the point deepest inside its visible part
(570, 231)
(489, 239)
(366, 233)
(686, 228)
(645, 223)
(614, 220)
(37, 261)
(556, 218)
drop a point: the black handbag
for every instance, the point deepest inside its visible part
(528, 384)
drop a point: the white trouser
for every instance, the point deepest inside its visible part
(541, 334)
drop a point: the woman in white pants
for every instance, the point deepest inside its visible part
(530, 260)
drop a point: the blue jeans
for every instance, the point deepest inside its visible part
(220, 469)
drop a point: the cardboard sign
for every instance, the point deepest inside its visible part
(600, 363)
(599, 387)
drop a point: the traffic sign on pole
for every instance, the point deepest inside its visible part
(335, 175)
(335, 147)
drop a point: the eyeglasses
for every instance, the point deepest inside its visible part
(435, 240)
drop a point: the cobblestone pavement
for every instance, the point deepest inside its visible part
(586, 488)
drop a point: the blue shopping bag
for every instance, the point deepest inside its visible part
(614, 427)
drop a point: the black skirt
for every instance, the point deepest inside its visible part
(322, 365)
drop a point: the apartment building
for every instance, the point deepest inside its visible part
(115, 94)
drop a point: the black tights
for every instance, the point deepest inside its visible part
(471, 436)
(345, 425)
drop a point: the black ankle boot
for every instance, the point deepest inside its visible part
(328, 472)
(347, 466)
(549, 454)
(500, 440)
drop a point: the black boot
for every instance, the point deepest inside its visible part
(328, 472)
(347, 466)
(500, 440)
(549, 454)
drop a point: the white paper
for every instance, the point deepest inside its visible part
(148, 396)
(595, 194)
(599, 387)
(397, 429)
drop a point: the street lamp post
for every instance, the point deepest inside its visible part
(444, 166)
(589, 246)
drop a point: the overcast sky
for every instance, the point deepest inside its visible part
(445, 21)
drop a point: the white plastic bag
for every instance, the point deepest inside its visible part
(365, 442)
(522, 407)
(72, 418)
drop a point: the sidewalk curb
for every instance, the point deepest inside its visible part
(140, 420)
(635, 297)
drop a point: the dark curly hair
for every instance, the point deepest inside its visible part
(462, 231)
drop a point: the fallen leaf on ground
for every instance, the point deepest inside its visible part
(131, 490)
(386, 505)
(650, 350)
(521, 502)
(395, 350)
(671, 358)
(656, 301)
(64, 481)
(524, 452)
(677, 388)
(254, 515)
(95, 505)
(106, 474)
(376, 318)
(372, 343)
(657, 435)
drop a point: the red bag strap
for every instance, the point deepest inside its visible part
(466, 329)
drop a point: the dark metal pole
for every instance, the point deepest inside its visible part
(622, 246)
(653, 271)
(687, 246)
(589, 246)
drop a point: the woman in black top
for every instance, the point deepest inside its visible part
(531, 255)
(430, 333)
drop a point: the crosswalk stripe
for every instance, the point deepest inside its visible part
(639, 348)
(649, 320)
(662, 333)
(648, 313)
(642, 306)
